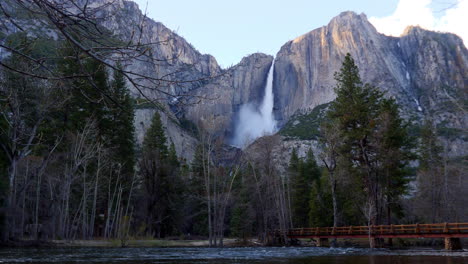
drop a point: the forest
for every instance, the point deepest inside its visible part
(70, 166)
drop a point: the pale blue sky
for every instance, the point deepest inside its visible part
(230, 30)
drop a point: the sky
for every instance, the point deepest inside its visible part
(232, 29)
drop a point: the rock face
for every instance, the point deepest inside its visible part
(427, 72)
(223, 96)
(216, 99)
(171, 56)
(184, 142)
(404, 67)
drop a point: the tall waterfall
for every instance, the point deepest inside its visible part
(255, 122)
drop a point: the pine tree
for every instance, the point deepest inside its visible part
(163, 188)
(199, 216)
(241, 222)
(155, 138)
(356, 109)
(395, 153)
(320, 211)
(122, 137)
(430, 174)
(370, 128)
(311, 170)
(172, 156)
(293, 163)
(430, 152)
(307, 174)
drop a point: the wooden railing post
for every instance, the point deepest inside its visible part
(446, 230)
(350, 230)
(417, 228)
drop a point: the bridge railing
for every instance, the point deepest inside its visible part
(443, 228)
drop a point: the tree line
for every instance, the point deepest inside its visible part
(70, 167)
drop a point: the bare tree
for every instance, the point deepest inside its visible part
(224, 177)
(369, 211)
(24, 107)
(329, 156)
(81, 23)
(270, 187)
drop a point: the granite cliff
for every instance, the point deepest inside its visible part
(214, 101)
(408, 67)
(427, 72)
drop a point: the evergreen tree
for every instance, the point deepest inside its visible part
(370, 128)
(163, 192)
(293, 163)
(307, 173)
(356, 109)
(320, 211)
(155, 138)
(311, 170)
(430, 175)
(241, 222)
(172, 156)
(90, 94)
(395, 153)
(430, 151)
(199, 217)
(122, 137)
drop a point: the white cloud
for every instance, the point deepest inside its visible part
(418, 12)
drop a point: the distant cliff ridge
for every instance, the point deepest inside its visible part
(427, 73)
(413, 68)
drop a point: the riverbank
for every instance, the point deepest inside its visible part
(132, 243)
(140, 243)
(403, 244)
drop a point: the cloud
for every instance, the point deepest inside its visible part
(453, 19)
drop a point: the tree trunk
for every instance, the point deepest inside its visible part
(36, 213)
(334, 200)
(93, 210)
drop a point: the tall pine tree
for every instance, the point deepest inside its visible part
(122, 138)
(162, 191)
(304, 174)
(370, 127)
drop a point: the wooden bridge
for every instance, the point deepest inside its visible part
(451, 232)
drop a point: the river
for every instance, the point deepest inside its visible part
(293, 255)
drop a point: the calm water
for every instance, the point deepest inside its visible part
(296, 255)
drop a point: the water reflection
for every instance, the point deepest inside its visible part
(295, 255)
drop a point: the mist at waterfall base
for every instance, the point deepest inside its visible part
(254, 122)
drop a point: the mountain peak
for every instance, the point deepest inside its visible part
(349, 20)
(411, 30)
(351, 15)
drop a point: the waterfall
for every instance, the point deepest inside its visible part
(255, 122)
